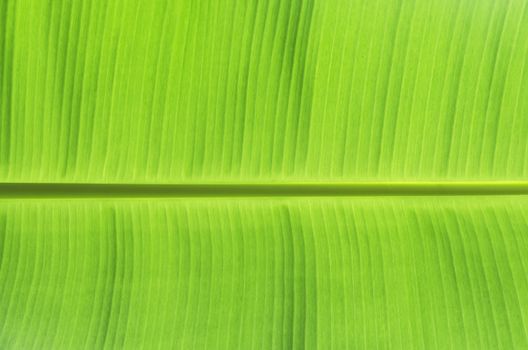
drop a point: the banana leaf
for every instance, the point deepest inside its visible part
(263, 174)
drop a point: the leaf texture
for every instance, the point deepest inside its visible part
(396, 101)
(189, 91)
(364, 273)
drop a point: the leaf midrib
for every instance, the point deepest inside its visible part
(299, 189)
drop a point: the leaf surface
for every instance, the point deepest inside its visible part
(194, 91)
(263, 174)
(397, 273)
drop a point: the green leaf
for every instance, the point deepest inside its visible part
(366, 273)
(190, 91)
(263, 174)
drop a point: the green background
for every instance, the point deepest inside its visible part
(362, 93)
